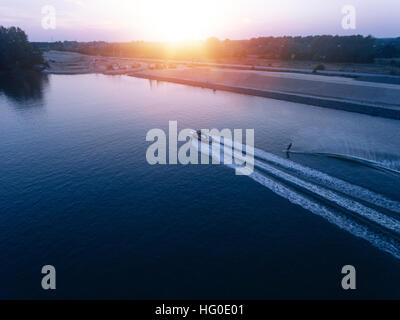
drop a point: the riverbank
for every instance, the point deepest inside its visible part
(343, 93)
(62, 62)
(391, 112)
(380, 101)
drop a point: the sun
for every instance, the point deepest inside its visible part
(177, 20)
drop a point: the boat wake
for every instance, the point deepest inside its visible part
(362, 212)
(389, 166)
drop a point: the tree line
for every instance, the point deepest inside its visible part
(16, 52)
(325, 48)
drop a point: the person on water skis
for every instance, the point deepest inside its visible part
(288, 150)
(203, 138)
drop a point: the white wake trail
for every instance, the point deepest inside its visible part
(322, 178)
(332, 196)
(348, 204)
(380, 241)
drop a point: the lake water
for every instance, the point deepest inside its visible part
(77, 192)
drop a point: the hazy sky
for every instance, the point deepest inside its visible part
(126, 20)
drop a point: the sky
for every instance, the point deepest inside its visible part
(175, 20)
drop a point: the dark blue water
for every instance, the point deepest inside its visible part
(76, 192)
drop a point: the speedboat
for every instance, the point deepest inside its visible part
(198, 135)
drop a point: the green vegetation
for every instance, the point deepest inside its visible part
(16, 52)
(325, 48)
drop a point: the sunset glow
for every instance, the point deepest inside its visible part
(175, 20)
(179, 20)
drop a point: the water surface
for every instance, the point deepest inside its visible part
(76, 192)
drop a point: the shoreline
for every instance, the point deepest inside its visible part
(331, 103)
(366, 96)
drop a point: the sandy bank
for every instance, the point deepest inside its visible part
(61, 62)
(332, 92)
(343, 93)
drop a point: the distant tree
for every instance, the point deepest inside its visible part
(213, 47)
(323, 48)
(16, 52)
(388, 51)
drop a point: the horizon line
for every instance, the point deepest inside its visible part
(221, 39)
